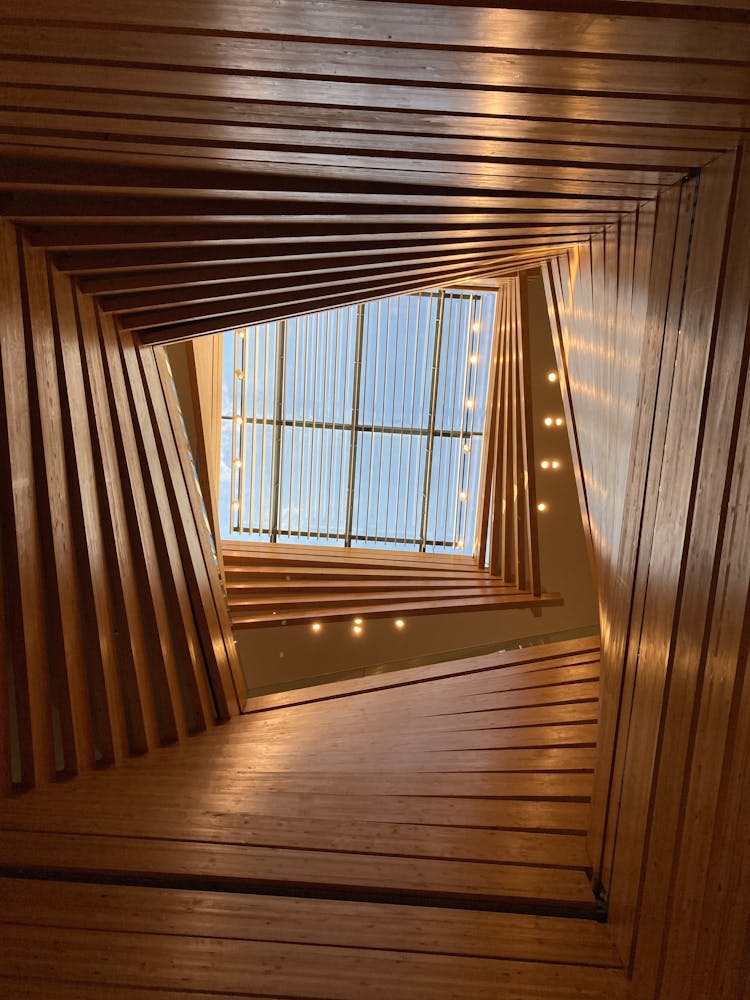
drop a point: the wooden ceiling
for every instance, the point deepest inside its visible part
(201, 166)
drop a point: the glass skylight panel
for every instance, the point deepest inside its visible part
(360, 426)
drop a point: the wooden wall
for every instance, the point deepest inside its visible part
(114, 627)
(653, 339)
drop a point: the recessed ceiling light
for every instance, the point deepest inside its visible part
(544, 464)
(399, 623)
(541, 506)
(548, 421)
(559, 421)
(316, 626)
(552, 376)
(357, 629)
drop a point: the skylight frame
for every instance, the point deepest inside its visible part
(276, 360)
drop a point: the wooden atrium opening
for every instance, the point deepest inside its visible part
(492, 748)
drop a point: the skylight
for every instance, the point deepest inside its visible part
(360, 426)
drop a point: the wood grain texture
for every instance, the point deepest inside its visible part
(99, 632)
(291, 835)
(672, 569)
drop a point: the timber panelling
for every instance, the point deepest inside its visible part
(100, 667)
(170, 171)
(674, 654)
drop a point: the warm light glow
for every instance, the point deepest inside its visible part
(473, 359)
(555, 465)
(476, 326)
(548, 421)
(469, 404)
(541, 506)
(467, 447)
(357, 621)
(238, 419)
(235, 505)
(552, 376)
(357, 629)
(460, 543)
(316, 626)
(236, 462)
(400, 623)
(463, 495)
(238, 373)
(559, 422)
(544, 464)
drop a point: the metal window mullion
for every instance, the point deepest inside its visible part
(374, 306)
(411, 480)
(388, 382)
(311, 460)
(263, 428)
(235, 471)
(431, 418)
(402, 355)
(276, 443)
(424, 400)
(326, 356)
(303, 420)
(334, 404)
(243, 426)
(356, 389)
(292, 438)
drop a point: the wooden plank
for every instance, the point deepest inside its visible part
(672, 523)
(198, 699)
(132, 655)
(66, 652)
(312, 921)
(22, 555)
(273, 969)
(190, 540)
(96, 604)
(184, 864)
(235, 683)
(631, 31)
(172, 721)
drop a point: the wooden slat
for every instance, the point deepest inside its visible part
(22, 555)
(66, 654)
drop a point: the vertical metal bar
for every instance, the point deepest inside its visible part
(293, 435)
(424, 398)
(253, 404)
(278, 409)
(303, 421)
(431, 418)
(336, 343)
(374, 345)
(412, 413)
(402, 357)
(236, 472)
(356, 388)
(322, 436)
(243, 426)
(263, 428)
